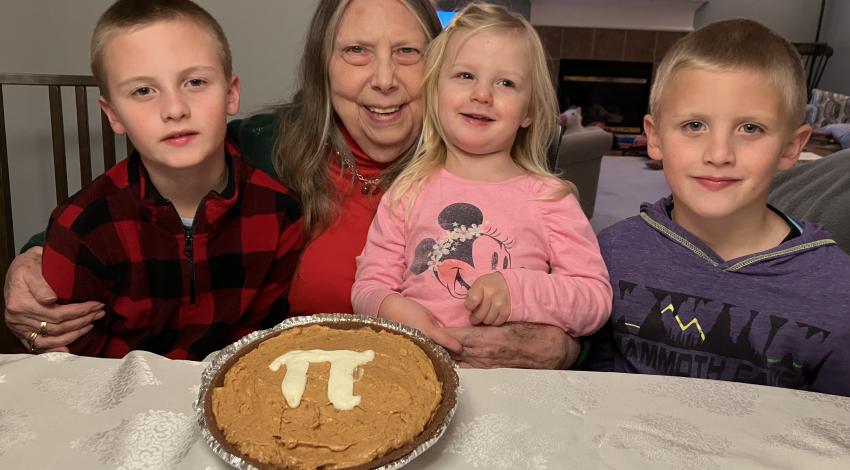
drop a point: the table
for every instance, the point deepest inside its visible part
(63, 411)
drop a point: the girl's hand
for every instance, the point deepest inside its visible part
(402, 310)
(489, 300)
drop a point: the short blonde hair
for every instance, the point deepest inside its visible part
(128, 14)
(531, 143)
(737, 45)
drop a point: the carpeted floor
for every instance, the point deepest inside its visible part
(624, 183)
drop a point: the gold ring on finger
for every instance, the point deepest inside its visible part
(42, 330)
(31, 341)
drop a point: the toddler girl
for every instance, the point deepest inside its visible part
(476, 230)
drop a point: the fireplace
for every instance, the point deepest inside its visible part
(614, 93)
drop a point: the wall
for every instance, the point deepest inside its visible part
(654, 15)
(52, 36)
(837, 35)
(796, 20)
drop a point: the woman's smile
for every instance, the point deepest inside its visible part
(388, 114)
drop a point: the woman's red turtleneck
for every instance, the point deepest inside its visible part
(325, 274)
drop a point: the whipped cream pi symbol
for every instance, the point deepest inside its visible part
(340, 382)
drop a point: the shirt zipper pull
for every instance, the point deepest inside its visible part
(189, 252)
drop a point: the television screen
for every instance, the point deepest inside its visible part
(446, 17)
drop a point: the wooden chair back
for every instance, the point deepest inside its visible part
(53, 85)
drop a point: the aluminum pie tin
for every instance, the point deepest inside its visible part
(213, 376)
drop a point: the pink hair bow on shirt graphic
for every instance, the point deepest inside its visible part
(468, 249)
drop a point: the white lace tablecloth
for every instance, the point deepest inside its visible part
(69, 412)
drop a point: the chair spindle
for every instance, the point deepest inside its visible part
(57, 125)
(83, 134)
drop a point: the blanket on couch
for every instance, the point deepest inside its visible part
(818, 191)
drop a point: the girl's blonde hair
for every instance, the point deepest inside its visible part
(531, 143)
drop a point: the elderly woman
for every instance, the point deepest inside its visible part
(348, 131)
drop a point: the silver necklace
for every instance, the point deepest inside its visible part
(367, 186)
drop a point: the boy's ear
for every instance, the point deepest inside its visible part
(791, 152)
(114, 121)
(233, 91)
(653, 141)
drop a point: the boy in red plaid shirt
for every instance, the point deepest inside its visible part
(188, 247)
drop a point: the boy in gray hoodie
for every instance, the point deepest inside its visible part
(712, 282)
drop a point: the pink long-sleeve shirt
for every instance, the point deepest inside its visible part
(460, 229)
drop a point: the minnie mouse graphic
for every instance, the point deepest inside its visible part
(469, 249)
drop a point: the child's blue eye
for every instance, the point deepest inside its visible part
(507, 83)
(465, 76)
(750, 128)
(694, 126)
(142, 91)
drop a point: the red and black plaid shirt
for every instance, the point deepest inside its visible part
(178, 292)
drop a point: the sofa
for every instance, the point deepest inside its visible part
(818, 191)
(578, 158)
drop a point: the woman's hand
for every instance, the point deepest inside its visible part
(402, 310)
(489, 300)
(518, 345)
(30, 301)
